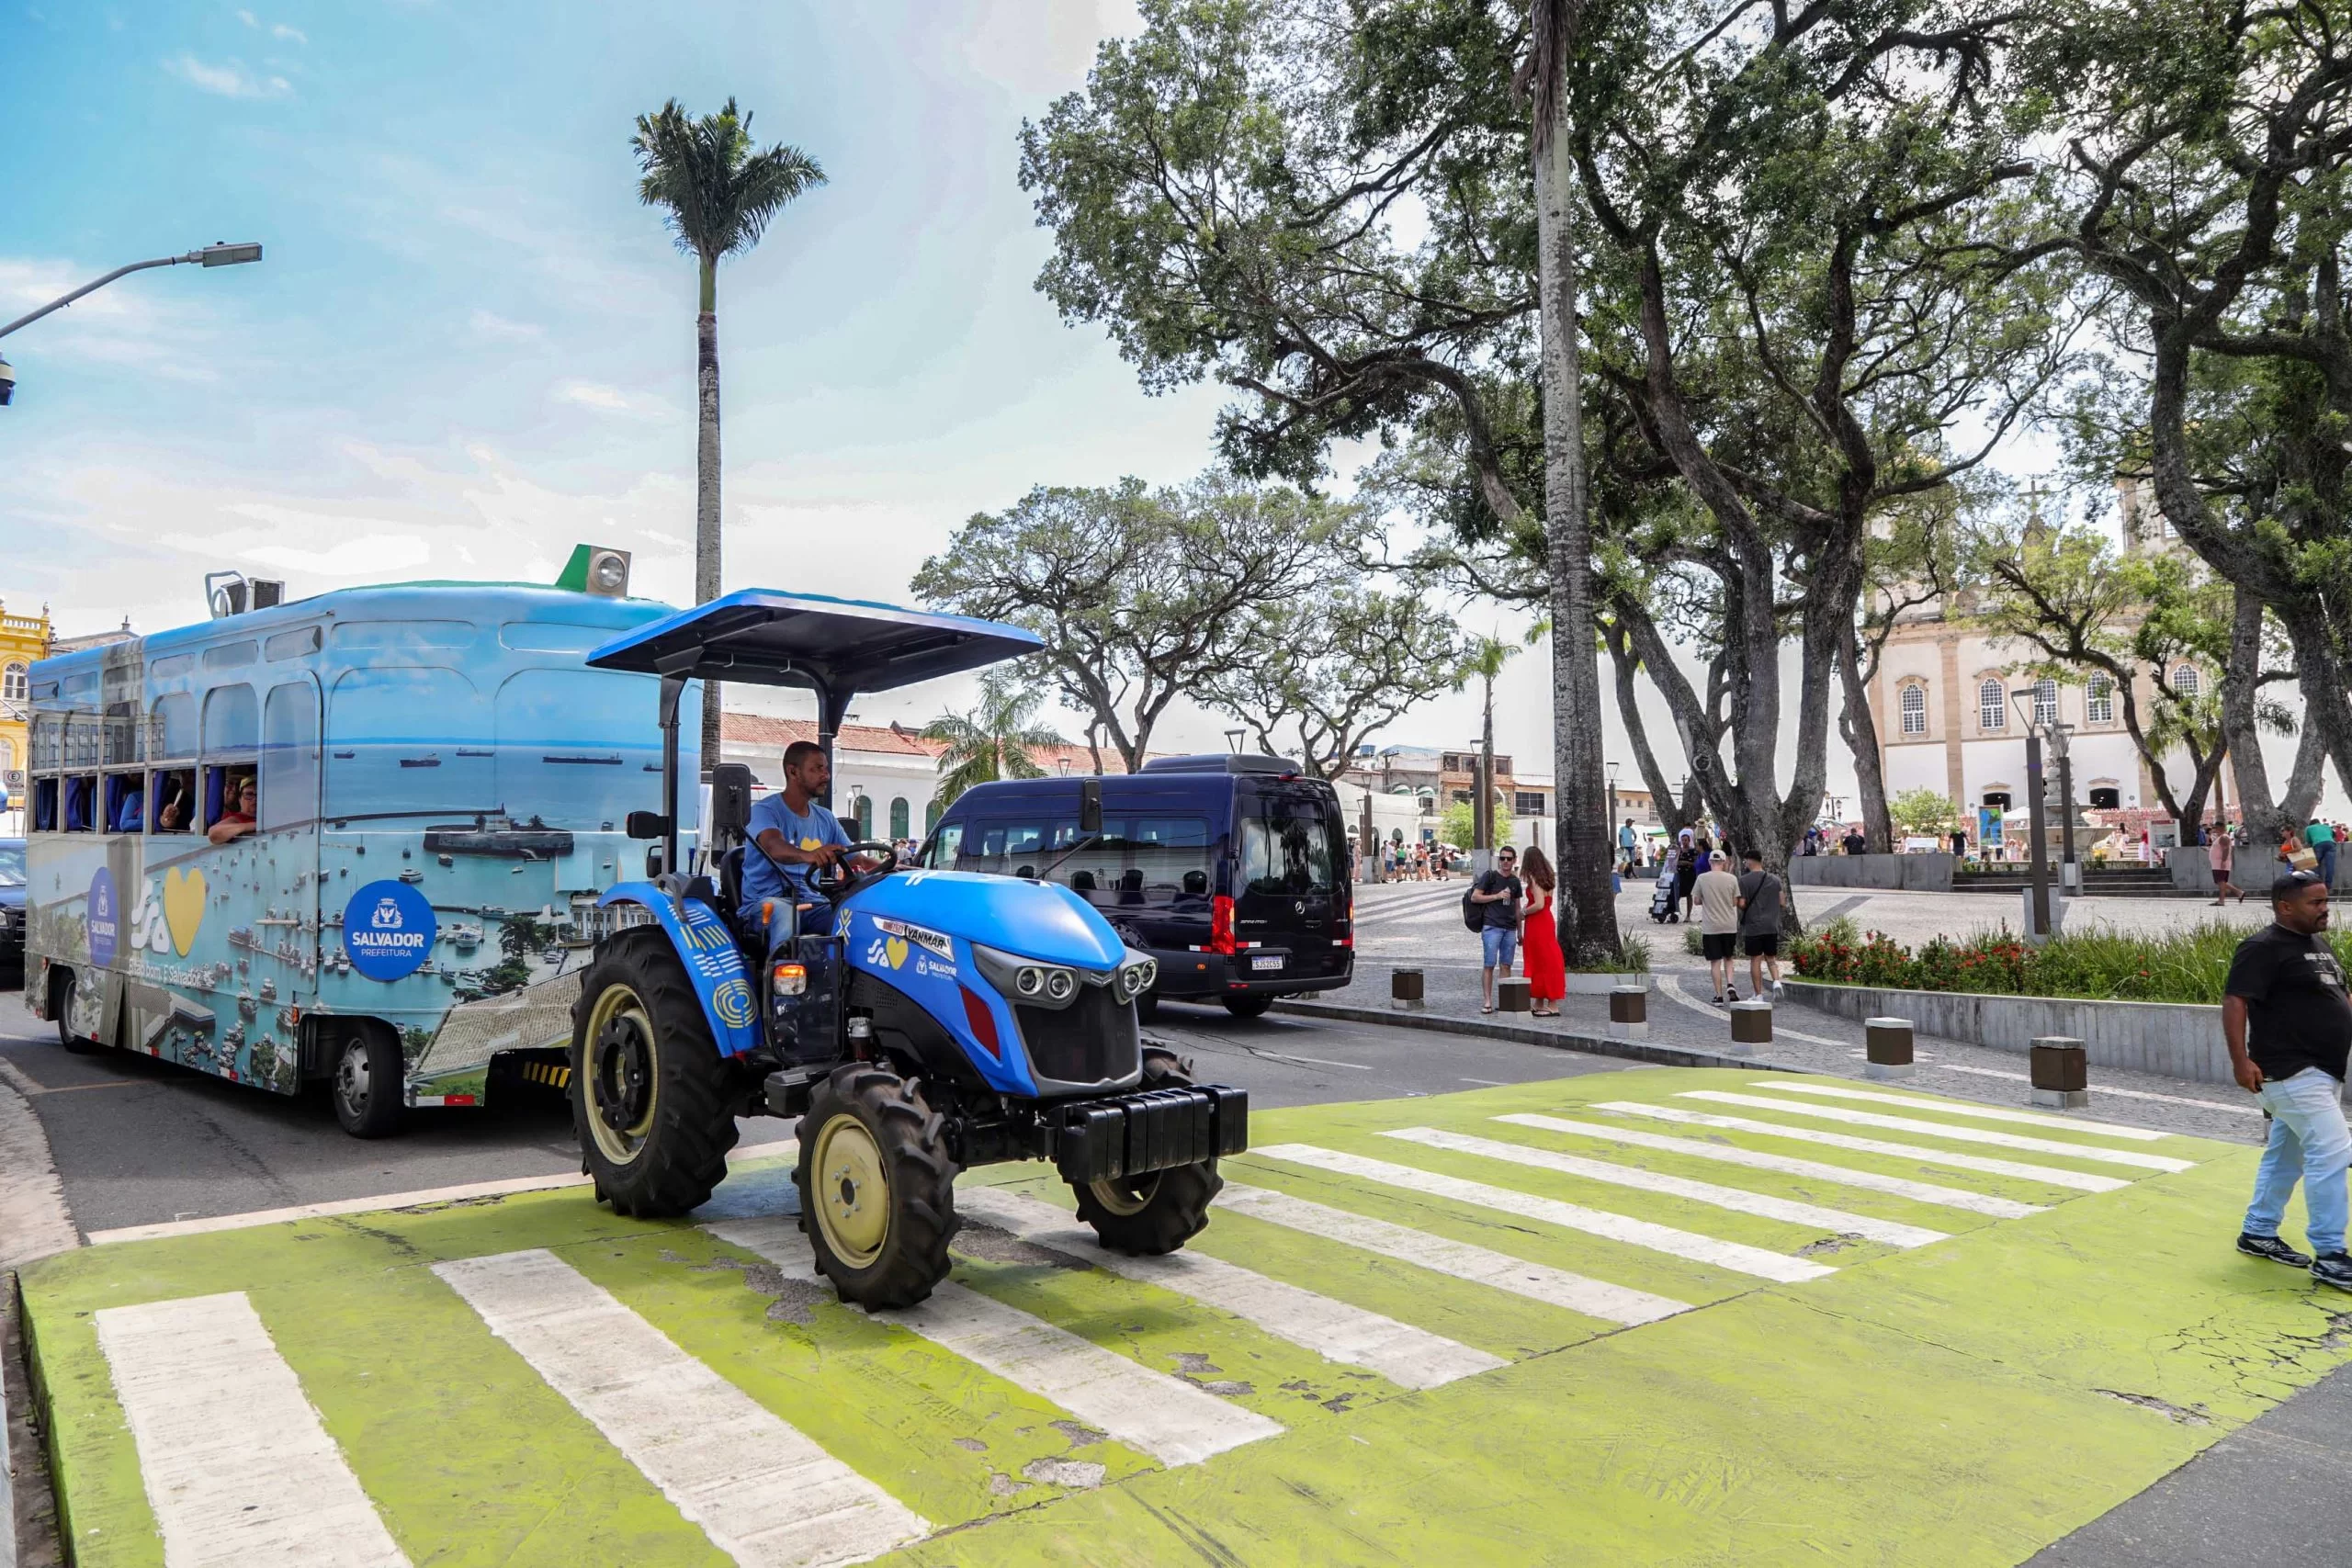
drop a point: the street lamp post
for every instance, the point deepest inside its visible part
(1608, 835)
(220, 254)
(2036, 813)
(1233, 739)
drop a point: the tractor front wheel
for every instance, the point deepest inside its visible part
(1161, 1211)
(877, 1189)
(649, 1096)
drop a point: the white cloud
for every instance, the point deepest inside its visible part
(609, 400)
(274, 30)
(489, 324)
(230, 79)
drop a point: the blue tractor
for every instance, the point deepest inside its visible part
(918, 1022)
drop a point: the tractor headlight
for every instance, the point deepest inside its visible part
(1030, 981)
(1135, 977)
(1060, 984)
(1027, 981)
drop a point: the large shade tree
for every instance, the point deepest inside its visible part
(719, 191)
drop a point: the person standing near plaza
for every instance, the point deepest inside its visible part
(2222, 849)
(2288, 1025)
(1716, 892)
(1498, 891)
(1686, 872)
(1762, 894)
(1628, 846)
(2322, 838)
(1547, 966)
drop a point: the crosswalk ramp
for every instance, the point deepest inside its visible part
(701, 1383)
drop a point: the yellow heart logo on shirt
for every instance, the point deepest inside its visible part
(895, 950)
(183, 906)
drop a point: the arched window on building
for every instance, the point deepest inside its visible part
(865, 817)
(897, 817)
(12, 683)
(1992, 706)
(1915, 709)
(2098, 706)
(931, 816)
(2185, 681)
(2045, 703)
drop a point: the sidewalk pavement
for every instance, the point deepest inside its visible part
(1411, 932)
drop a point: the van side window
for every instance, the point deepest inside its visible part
(944, 847)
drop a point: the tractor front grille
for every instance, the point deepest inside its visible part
(1091, 1041)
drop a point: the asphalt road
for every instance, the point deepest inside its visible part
(141, 1142)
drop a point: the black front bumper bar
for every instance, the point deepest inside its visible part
(1105, 1140)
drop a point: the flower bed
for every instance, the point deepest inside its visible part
(2182, 966)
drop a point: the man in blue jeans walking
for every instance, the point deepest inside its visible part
(2289, 1027)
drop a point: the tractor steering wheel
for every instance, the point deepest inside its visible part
(844, 882)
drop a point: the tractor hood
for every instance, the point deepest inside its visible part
(1032, 920)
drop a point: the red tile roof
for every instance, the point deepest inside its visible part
(762, 733)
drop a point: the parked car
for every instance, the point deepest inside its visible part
(1231, 870)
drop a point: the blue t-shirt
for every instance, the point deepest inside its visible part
(761, 877)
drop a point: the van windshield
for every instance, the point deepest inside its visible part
(1286, 847)
(1145, 857)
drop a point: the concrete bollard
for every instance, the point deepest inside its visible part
(1886, 1048)
(1629, 1012)
(1405, 990)
(2061, 1072)
(1510, 994)
(1751, 1025)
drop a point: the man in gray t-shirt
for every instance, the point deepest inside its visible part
(1761, 897)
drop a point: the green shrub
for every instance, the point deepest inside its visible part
(2180, 966)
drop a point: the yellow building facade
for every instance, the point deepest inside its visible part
(23, 640)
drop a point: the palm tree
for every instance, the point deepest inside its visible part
(990, 742)
(719, 192)
(1485, 660)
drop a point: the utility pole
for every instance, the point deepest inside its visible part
(2037, 817)
(2070, 878)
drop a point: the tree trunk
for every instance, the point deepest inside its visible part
(2267, 818)
(1859, 730)
(706, 573)
(1588, 905)
(1667, 804)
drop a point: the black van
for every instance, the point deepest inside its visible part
(1232, 871)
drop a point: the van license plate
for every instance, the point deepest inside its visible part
(1266, 960)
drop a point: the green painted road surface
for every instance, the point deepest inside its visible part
(1659, 1315)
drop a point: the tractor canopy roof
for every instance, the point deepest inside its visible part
(838, 645)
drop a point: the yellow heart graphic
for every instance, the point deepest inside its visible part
(895, 948)
(183, 906)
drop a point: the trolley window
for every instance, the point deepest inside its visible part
(176, 725)
(289, 756)
(408, 740)
(232, 721)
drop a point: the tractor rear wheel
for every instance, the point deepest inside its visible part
(649, 1098)
(1161, 1211)
(877, 1189)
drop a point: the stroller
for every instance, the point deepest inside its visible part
(1666, 906)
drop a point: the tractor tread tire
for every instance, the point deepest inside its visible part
(912, 1139)
(683, 1157)
(1178, 1208)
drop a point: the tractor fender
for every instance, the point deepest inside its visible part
(713, 964)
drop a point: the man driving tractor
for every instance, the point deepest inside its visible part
(796, 833)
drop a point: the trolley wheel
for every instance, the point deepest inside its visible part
(877, 1186)
(61, 1008)
(365, 1083)
(1160, 1212)
(649, 1101)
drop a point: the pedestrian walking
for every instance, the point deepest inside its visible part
(1628, 846)
(1717, 891)
(1762, 894)
(1500, 891)
(2222, 849)
(2288, 1025)
(1547, 966)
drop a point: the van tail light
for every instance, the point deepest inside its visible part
(1221, 925)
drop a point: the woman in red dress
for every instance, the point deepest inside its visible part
(1547, 971)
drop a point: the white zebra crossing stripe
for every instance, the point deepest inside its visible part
(1842, 1176)
(1960, 1108)
(1460, 1259)
(1174, 1421)
(238, 1467)
(1685, 1245)
(1939, 1129)
(1409, 1356)
(2078, 1180)
(1737, 1200)
(764, 1493)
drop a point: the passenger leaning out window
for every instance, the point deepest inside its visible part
(240, 799)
